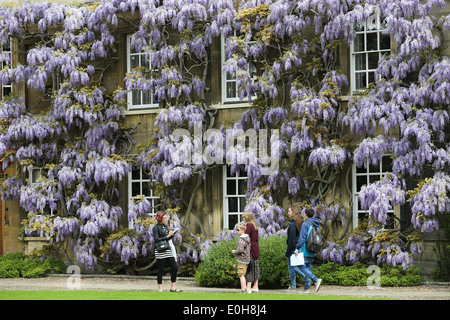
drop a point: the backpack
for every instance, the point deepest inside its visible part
(315, 240)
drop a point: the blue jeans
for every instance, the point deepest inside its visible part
(306, 269)
(293, 271)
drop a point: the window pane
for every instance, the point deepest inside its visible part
(146, 97)
(230, 76)
(136, 174)
(371, 77)
(134, 61)
(385, 41)
(374, 178)
(231, 187)
(253, 71)
(373, 60)
(361, 170)
(231, 89)
(242, 173)
(135, 188)
(6, 90)
(374, 168)
(363, 216)
(360, 61)
(359, 205)
(242, 186)
(146, 189)
(232, 205)
(359, 43)
(360, 80)
(386, 165)
(144, 61)
(136, 98)
(36, 174)
(242, 203)
(360, 181)
(232, 221)
(372, 43)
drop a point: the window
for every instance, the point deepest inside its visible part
(371, 42)
(230, 91)
(139, 99)
(364, 176)
(6, 51)
(34, 175)
(139, 183)
(234, 201)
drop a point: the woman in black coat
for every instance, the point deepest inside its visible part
(161, 233)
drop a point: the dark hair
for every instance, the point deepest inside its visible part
(159, 216)
(309, 212)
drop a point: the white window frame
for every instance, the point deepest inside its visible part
(153, 102)
(380, 172)
(6, 89)
(226, 213)
(150, 197)
(373, 25)
(228, 78)
(34, 175)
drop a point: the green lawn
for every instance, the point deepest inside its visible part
(148, 295)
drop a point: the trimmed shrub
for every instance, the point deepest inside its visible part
(273, 263)
(219, 268)
(16, 265)
(356, 275)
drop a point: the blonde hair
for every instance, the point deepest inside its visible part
(249, 218)
(241, 226)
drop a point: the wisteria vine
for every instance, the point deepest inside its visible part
(73, 136)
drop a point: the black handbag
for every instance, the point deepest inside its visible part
(162, 245)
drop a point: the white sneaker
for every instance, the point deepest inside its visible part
(318, 283)
(290, 289)
(305, 291)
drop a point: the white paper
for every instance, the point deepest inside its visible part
(297, 260)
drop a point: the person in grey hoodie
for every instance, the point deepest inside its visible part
(242, 253)
(308, 256)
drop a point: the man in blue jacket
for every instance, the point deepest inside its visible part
(308, 256)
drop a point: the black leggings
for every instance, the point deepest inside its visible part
(173, 268)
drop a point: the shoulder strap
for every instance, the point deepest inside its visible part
(309, 222)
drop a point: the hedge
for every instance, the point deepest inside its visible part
(357, 275)
(15, 265)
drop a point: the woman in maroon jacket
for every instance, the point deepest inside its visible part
(253, 271)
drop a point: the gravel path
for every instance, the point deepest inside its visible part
(124, 283)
